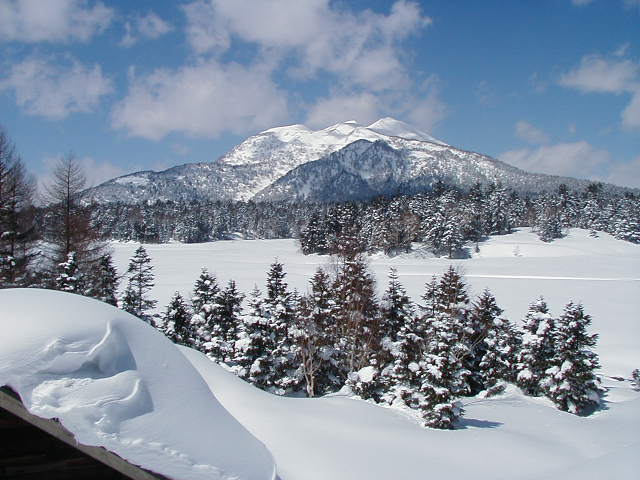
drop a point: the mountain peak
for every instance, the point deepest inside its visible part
(396, 128)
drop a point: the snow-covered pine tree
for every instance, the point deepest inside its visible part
(68, 278)
(626, 222)
(408, 370)
(104, 281)
(482, 318)
(255, 346)
(548, 223)
(229, 315)
(498, 211)
(446, 345)
(356, 313)
(429, 297)
(396, 311)
(279, 310)
(474, 225)
(571, 382)
(140, 282)
(205, 308)
(314, 333)
(635, 379)
(443, 377)
(176, 321)
(538, 347)
(499, 361)
(452, 240)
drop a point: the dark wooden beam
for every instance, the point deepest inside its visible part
(10, 402)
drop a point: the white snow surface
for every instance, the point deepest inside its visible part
(603, 273)
(508, 437)
(114, 381)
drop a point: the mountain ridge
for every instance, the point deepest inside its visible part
(270, 165)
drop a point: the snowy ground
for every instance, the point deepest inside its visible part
(115, 381)
(503, 438)
(603, 273)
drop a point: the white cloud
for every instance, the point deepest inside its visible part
(622, 50)
(598, 74)
(530, 134)
(575, 159)
(631, 114)
(34, 21)
(601, 75)
(427, 109)
(625, 174)
(363, 107)
(424, 110)
(362, 48)
(205, 99)
(148, 26)
(54, 89)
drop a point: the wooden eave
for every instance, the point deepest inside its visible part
(11, 402)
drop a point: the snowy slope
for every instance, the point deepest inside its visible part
(506, 437)
(364, 170)
(603, 273)
(114, 381)
(252, 169)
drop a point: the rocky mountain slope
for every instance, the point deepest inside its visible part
(342, 162)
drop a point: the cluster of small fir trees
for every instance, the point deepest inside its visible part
(557, 358)
(390, 351)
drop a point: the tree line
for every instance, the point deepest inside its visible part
(444, 219)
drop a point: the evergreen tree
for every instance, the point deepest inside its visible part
(356, 313)
(256, 344)
(396, 311)
(176, 321)
(443, 374)
(205, 308)
(538, 347)
(69, 278)
(446, 345)
(498, 364)
(280, 314)
(227, 330)
(140, 282)
(314, 333)
(635, 379)
(483, 317)
(409, 367)
(571, 382)
(474, 216)
(548, 219)
(104, 281)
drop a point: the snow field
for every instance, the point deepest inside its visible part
(105, 375)
(508, 437)
(603, 273)
(115, 381)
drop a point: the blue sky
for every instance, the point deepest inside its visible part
(548, 85)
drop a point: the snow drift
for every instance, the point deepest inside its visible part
(114, 381)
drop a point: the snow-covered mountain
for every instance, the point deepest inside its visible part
(341, 162)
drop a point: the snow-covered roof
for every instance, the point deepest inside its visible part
(114, 381)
